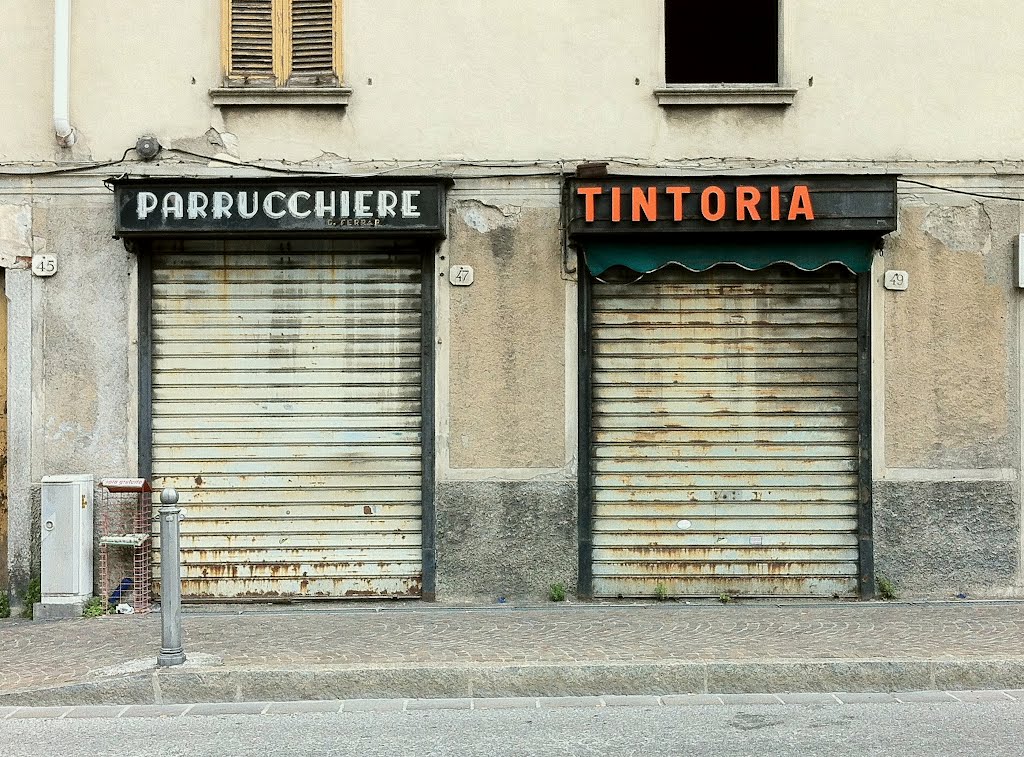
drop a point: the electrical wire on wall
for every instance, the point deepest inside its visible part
(530, 169)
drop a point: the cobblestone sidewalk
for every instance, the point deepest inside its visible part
(35, 655)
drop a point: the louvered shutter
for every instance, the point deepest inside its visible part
(313, 35)
(251, 56)
(287, 412)
(725, 434)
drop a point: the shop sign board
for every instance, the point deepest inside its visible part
(856, 203)
(318, 205)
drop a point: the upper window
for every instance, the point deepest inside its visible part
(727, 52)
(287, 45)
(722, 42)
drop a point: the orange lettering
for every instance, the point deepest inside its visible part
(589, 193)
(645, 203)
(705, 203)
(746, 203)
(678, 193)
(776, 204)
(802, 205)
(616, 204)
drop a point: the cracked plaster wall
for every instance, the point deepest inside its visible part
(951, 401)
(507, 338)
(507, 412)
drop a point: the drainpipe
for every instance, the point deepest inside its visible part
(66, 134)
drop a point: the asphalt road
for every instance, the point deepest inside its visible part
(933, 730)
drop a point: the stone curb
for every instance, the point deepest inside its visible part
(224, 684)
(357, 706)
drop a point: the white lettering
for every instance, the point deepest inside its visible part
(173, 206)
(268, 205)
(145, 203)
(344, 204)
(221, 205)
(386, 204)
(195, 209)
(322, 208)
(362, 209)
(245, 210)
(293, 205)
(408, 209)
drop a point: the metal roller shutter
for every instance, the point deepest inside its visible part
(725, 434)
(286, 410)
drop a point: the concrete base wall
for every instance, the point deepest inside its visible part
(505, 539)
(940, 539)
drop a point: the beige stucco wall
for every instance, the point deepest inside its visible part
(535, 79)
(950, 373)
(506, 338)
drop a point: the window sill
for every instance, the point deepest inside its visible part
(710, 95)
(326, 97)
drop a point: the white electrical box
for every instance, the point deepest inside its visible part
(1020, 261)
(66, 539)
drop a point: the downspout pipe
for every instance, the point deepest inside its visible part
(65, 132)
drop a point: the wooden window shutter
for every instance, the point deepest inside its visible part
(249, 31)
(314, 50)
(282, 41)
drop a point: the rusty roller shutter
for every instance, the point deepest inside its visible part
(725, 434)
(286, 410)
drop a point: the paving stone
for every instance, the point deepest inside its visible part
(373, 705)
(95, 711)
(229, 708)
(300, 708)
(1015, 694)
(750, 699)
(562, 702)
(156, 711)
(690, 700)
(505, 703)
(815, 698)
(923, 697)
(866, 698)
(400, 650)
(438, 704)
(6, 711)
(41, 712)
(994, 695)
(631, 701)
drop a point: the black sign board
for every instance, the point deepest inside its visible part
(320, 206)
(616, 205)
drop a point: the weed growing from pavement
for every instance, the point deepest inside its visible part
(556, 592)
(94, 608)
(886, 588)
(5, 605)
(29, 596)
(661, 592)
(724, 598)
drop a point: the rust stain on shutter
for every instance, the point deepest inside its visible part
(286, 410)
(725, 435)
(4, 579)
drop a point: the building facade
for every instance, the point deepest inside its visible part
(460, 304)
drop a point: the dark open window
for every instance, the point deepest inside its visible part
(722, 41)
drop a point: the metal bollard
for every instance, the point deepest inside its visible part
(171, 650)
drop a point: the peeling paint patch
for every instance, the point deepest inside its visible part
(486, 218)
(223, 139)
(966, 228)
(15, 235)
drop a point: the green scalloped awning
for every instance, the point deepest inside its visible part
(646, 257)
